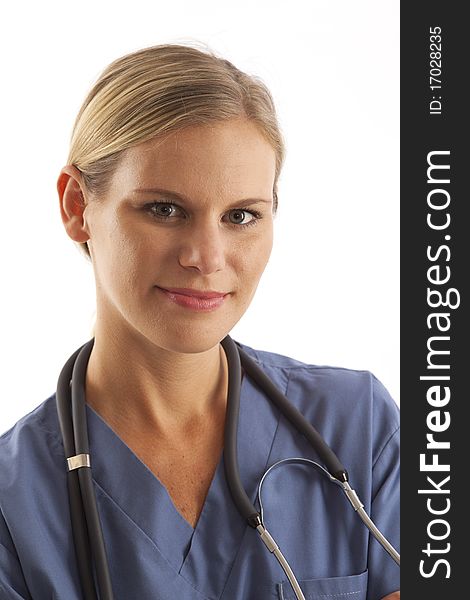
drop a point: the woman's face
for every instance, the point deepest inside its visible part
(190, 210)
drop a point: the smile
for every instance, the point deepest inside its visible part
(203, 301)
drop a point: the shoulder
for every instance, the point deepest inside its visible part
(346, 386)
(40, 420)
(359, 420)
(30, 445)
(341, 402)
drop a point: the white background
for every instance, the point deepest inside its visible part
(330, 294)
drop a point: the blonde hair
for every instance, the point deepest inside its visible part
(158, 90)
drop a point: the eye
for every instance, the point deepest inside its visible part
(163, 210)
(166, 211)
(238, 216)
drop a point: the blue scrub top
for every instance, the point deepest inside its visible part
(155, 554)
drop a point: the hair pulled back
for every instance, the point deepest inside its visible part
(158, 90)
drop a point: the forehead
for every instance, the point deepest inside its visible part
(224, 155)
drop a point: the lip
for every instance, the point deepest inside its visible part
(195, 293)
(194, 299)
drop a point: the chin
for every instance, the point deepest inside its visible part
(191, 333)
(193, 345)
(186, 340)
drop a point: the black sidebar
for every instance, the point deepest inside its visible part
(435, 234)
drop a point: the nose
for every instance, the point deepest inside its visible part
(203, 248)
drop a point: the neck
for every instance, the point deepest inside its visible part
(132, 383)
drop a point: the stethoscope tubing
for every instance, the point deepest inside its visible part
(77, 511)
(86, 525)
(84, 475)
(235, 358)
(326, 454)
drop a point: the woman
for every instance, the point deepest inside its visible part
(170, 191)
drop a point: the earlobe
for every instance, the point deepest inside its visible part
(72, 203)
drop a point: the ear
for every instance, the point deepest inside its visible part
(72, 203)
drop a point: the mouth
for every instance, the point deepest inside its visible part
(194, 299)
(194, 293)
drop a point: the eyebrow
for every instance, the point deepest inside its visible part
(176, 196)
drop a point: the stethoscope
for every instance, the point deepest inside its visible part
(86, 525)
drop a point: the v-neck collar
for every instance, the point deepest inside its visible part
(145, 500)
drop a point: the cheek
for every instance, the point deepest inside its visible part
(262, 257)
(125, 259)
(140, 261)
(264, 246)
(253, 254)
